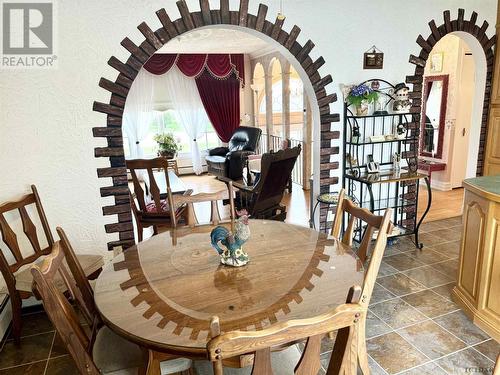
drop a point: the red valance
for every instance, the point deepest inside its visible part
(220, 66)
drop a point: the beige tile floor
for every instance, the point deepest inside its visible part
(413, 326)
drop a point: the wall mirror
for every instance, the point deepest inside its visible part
(433, 115)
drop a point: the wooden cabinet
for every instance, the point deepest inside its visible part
(478, 287)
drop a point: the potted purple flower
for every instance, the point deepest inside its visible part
(360, 96)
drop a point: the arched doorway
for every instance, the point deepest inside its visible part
(298, 55)
(482, 49)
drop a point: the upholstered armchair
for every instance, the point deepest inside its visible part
(230, 161)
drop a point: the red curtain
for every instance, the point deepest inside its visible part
(191, 64)
(221, 99)
(221, 66)
(160, 63)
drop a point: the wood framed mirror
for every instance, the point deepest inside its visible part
(433, 116)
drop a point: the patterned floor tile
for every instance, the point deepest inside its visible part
(36, 368)
(393, 353)
(462, 327)
(468, 361)
(402, 262)
(397, 313)
(399, 245)
(375, 326)
(452, 222)
(61, 366)
(375, 368)
(449, 249)
(430, 239)
(380, 294)
(386, 270)
(428, 276)
(431, 339)
(32, 349)
(489, 348)
(445, 290)
(36, 323)
(400, 284)
(449, 234)
(429, 303)
(427, 369)
(58, 348)
(448, 267)
(427, 256)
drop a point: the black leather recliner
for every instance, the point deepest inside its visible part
(230, 161)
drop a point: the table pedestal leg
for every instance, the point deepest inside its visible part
(151, 363)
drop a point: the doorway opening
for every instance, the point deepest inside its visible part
(298, 55)
(452, 78)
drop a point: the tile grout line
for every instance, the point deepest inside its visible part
(32, 335)
(50, 352)
(22, 364)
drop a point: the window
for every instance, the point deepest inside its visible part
(166, 122)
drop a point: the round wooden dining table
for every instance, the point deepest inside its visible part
(163, 292)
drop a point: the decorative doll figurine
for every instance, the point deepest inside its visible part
(233, 254)
(400, 132)
(401, 102)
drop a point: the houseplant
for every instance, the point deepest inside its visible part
(167, 145)
(360, 96)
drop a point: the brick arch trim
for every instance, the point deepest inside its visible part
(437, 32)
(154, 40)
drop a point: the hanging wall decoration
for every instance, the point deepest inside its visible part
(373, 59)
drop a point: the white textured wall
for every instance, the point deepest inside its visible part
(46, 115)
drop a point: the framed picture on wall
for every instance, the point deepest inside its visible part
(437, 62)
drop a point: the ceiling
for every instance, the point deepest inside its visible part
(218, 40)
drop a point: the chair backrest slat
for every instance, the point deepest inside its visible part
(212, 198)
(11, 239)
(136, 168)
(29, 229)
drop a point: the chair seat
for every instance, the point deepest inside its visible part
(114, 355)
(164, 207)
(90, 264)
(216, 159)
(283, 363)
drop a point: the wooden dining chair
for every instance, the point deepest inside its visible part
(157, 212)
(96, 350)
(212, 198)
(348, 319)
(24, 246)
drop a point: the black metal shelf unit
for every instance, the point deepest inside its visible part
(389, 188)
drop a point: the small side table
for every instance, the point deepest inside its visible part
(326, 198)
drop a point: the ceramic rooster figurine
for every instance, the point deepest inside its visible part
(233, 254)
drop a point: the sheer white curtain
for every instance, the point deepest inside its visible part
(189, 110)
(138, 112)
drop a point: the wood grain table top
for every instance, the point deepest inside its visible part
(162, 293)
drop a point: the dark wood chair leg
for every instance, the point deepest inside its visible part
(17, 322)
(140, 230)
(155, 230)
